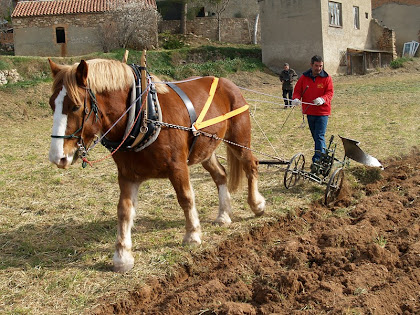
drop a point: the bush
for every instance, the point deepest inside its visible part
(399, 62)
(170, 41)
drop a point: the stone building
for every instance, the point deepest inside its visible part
(343, 32)
(171, 10)
(403, 16)
(68, 27)
(238, 21)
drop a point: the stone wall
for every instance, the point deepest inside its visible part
(84, 34)
(233, 30)
(382, 38)
(86, 19)
(237, 9)
(404, 19)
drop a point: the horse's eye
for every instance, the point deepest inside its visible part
(75, 108)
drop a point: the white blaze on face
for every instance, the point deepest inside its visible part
(59, 129)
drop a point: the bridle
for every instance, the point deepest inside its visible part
(93, 109)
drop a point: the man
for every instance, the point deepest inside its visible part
(314, 90)
(287, 77)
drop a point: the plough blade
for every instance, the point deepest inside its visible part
(353, 151)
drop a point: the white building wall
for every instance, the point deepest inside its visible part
(336, 40)
(294, 30)
(291, 31)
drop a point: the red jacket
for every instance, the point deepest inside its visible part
(319, 86)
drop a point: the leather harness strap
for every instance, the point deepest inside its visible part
(190, 109)
(186, 100)
(141, 131)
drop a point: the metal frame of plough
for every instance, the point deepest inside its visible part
(321, 170)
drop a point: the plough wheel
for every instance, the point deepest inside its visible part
(334, 185)
(293, 170)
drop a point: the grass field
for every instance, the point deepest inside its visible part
(58, 227)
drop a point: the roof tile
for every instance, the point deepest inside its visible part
(57, 7)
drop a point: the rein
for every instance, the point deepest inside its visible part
(95, 109)
(85, 151)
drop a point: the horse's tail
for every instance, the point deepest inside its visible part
(235, 171)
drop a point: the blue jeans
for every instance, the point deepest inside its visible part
(318, 127)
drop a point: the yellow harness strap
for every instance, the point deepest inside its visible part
(199, 124)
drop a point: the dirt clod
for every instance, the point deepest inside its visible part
(364, 263)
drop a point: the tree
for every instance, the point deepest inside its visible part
(184, 12)
(6, 8)
(219, 6)
(132, 24)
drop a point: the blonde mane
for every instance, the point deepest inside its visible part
(103, 75)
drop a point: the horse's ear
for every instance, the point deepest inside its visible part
(55, 68)
(82, 73)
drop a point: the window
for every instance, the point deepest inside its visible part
(356, 18)
(334, 12)
(60, 35)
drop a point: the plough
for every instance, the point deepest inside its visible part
(326, 165)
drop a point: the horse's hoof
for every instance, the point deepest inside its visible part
(123, 264)
(259, 214)
(192, 239)
(258, 209)
(222, 221)
(122, 268)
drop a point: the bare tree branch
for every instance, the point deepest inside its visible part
(132, 24)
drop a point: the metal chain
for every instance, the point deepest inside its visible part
(213, 136)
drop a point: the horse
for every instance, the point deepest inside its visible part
(90, 99)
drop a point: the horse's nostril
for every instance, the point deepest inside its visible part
(63, 161)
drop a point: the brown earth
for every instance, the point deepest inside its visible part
(344, 259)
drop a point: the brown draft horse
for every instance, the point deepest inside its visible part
(74, 125)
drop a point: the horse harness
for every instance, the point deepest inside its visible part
(145, 129)
(153, 121)
(147, 133)
(153, 118)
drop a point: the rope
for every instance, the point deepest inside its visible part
(118, 120)
(274, 96)
(84, 158)
(265, 136)
(181, 81)
(213, 136)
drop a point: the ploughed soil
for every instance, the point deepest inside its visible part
(347, 258)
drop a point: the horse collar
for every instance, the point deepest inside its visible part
(151, 131)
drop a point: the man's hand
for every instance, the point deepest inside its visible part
(296, 102)
(318, 101)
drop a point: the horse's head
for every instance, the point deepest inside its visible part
(75, 113)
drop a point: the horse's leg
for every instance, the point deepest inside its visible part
(180, 179)
(250, 165)
(218, 173)
(255, 200)
(123, 259)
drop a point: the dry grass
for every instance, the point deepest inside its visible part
(57, 228)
